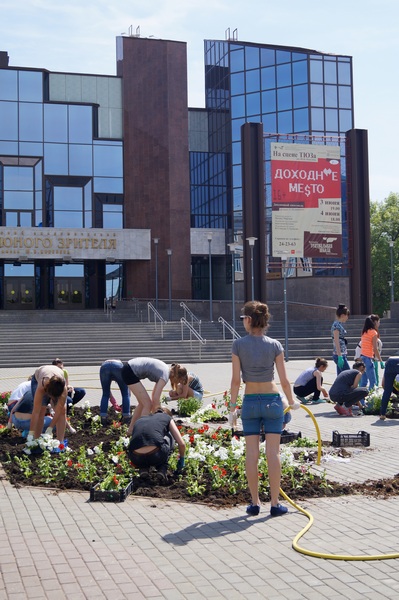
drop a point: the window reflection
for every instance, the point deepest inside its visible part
(344, 73)
(330, 72)
(253, 104)
(8, 84)
(331, 120)
(80, 160)
(18, 178)
(269, 101)
(345, 96)
(30, 122)
(251, 57)
(331, 96)
(237, 106)
(8, 121)
(283, 75)
(112, 220)
(285, 122)
(30, 86)
(56, 159)
(300, 96)
(316, 95)
(73, 270)
(68, 198)
(237, 60)
(110, 185)
(80, 124)
(237, 83)
(267, 57)
(268, 78)
(300, 72)
(23, 270)
(252, 81)
(318, 119)
(22, 200)
(284, 100)
(72, 219)
(316, 71)
(108, 160)
(55, 123)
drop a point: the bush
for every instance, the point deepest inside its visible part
(188, 406)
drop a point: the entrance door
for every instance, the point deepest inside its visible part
(19, 293)
(69, 294)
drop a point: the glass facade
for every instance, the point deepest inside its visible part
(296, 92)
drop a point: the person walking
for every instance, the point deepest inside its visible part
(338, 333)
(310, 381)
(370, 351)
(253, 358)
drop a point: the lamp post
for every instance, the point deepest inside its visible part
(169, 253)
(156, 241)
(209, 237)
(392, 286)
(232, 246)
(251, 241)
(284, 261)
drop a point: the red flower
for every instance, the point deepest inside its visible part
(69, 463)
(115, 480)
(61, 447)
(215, 468)
(191, 439)
(223, 472)
(214, 436)
(201, 430)
(78, 466)
(213, 405)
(206, 427)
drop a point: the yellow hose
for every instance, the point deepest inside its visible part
(325, 555)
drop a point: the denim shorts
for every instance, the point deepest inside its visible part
(262, 410)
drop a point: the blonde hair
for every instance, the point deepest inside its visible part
(178, 374)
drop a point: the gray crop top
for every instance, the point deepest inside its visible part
(257, 355)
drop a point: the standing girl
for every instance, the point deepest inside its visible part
(254, 357)
(338, 333)
(370, 350)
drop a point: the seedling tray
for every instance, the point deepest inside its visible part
(343, 440)
(288, 436)
(97, 495)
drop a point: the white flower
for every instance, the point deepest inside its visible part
(238, 453)
(114, 459)
(96, 418)
(222, 453)
(195, 455)
(125, 441)
(97, 449)
(27, 451)
(86, 404)
(90, 451)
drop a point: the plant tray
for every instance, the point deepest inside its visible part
(288, 436)
(362, 438)
(110, 495)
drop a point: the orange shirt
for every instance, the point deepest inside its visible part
(367, 343)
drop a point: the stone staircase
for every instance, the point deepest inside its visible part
(90, 337)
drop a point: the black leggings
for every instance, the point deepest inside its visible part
(305, 390)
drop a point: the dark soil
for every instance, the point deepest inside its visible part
(12, 444)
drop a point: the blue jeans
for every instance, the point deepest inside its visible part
(111, 371)
(345, 367)
(24, 424)
(369, 374)
(390, 372)
(262, 409)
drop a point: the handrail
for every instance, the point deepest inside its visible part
(184, 322)
(160, 318)
(192, 315)
(301, 304)
(227, 325)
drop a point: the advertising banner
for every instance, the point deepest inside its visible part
(306, 201)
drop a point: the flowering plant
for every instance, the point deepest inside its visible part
(42, 443)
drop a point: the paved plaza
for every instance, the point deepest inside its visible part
(56, 545)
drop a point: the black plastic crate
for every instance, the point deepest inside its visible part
(110, 495)
(362, 438)
(288, 436)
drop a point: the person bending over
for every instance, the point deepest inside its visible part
(48, 385)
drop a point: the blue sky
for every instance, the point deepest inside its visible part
(78, 36)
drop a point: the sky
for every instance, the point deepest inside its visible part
(80, 37)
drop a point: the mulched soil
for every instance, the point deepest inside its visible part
(12, 445)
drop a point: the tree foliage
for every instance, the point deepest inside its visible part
(384, 222)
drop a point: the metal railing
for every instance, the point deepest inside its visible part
(193, 332)
(192, 316)
(157, 317)
(227, 326)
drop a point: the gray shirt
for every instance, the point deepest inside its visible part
(257, 355)
(149, 368)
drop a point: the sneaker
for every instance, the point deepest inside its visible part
(303, 400)
(144, 473)
(278, 511)
(319, 401)
(342, 411)
(253, 510)
(162, 474)
(104, 421)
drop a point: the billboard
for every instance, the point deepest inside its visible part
(306, 200)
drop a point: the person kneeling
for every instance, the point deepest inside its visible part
(152, 442)
(345, 391)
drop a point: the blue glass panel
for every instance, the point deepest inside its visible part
(18, 200)
(345, 120)
(8, 121)
(269, 123)
(69, 271)
(282, 56)
(284, 120)
(38, 217)
(87, 193)
(108, 161)
(56, 159)
(283, 75)
(299, 56)
(316, 71)
(88, 219)
(237, 106)
(80, 124)
(284, 98)
(11, 219)
(267, 57)
(108, 185)
(268, 78)
(301, 120)
(236, 153)
(252, 80)
(8, 84)
(237, 176)
(316, 95)
(330, 72)
(251, 57)
(38, 175)
(237, 60)
(68, 218)
(236, 129)
(31, 148)
(269, 101)
(25, 219)
(300, 96)
(300, 72)
(55, 123)
(344, 73)
(23, 270)
(8, 147)
(330, 92)
(112, 220)
(18, 178)
(30, 122)
(253, 104)
(317, 119)
(345, 96)
(237, 83)
(68, 198)
(80, 160)
(331, 120)
(30, 86)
